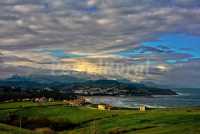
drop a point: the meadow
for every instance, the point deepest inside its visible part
(31, 118)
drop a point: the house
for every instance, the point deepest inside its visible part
(26, 99)
(142, 108)
(101, 107)
(41, 100)
(37, 99)
(104, 107)
(51, 100)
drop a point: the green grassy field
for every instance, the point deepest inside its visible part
(84, 120)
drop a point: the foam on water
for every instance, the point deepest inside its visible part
(186, 99)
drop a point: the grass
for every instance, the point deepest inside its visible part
(92, 121)
(6, 129)
(15, 105)
(158, 121)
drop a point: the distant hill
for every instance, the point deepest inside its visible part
(39, 81)
(80, 86)
(116, 88)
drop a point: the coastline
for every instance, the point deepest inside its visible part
(172, 101)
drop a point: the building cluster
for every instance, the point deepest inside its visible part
(43, 100)
(81, 101)
(76, 102)
(99, 91)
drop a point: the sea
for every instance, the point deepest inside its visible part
(185, 98)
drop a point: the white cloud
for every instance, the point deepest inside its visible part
(26, 8)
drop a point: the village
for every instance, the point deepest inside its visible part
(79, 101)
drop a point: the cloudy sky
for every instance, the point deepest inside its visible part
(138, 40)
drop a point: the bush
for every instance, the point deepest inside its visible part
(44, 131)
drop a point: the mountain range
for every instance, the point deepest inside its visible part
(83, 86)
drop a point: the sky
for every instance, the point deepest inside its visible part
(137, 40)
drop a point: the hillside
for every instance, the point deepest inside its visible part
(66, 86)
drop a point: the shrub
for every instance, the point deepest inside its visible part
(44, 131)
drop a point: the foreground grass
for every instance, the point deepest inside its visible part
(92, 121)
(152, 122)
(6, 129)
